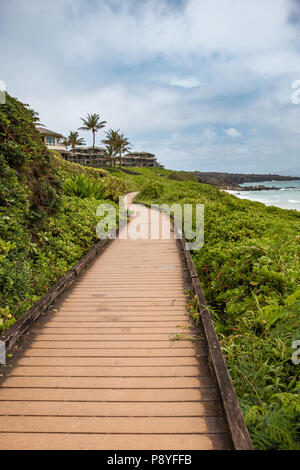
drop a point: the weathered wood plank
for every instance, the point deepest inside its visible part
(108, 371)
(113, 425)
(61, 441)
(110, 395)
(108, 382)
(117, 409)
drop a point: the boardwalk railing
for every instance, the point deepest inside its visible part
(234, 418)
(13, 334)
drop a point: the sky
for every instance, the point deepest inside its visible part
(203, 84)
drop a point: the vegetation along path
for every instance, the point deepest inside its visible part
(118, 365)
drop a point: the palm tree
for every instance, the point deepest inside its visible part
(123, 146)
(117, 141)
(111, 138)
(111, 153)
(111, 142)
(35, 118)
(73, 140)
(65, 142)
(92, 123)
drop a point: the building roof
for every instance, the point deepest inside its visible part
(96, 148)
(80, 149)
(44, 131)
(139, 153)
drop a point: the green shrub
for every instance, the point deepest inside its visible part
(152, 191)
(42, 233)
(113, 187)
(82, 186)
(23, 150)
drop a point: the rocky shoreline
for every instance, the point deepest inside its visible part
(232, 181)
(255, 188)
(236, 187)
(261, 188)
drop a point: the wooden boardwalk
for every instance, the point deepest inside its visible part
(107, 371)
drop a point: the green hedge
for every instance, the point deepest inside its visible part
(43, 232)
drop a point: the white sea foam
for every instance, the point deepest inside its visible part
(286, 198)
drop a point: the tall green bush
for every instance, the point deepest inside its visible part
(82, 186)
(42, 232)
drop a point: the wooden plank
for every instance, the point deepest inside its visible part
(114, 361)
(141, 352)
(62, 441)
(182, 344)
(114, 336)
(105, 325)
(113, 425)
(141, 284)
(108, 371)
(124, 296)
(154, 310)
(104, 330)
(204, 394)
(118, 409)
(108, 382)
(136, 303)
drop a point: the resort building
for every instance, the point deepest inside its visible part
(87, 156)
(95, 157)
(140, 159)
(52, 139)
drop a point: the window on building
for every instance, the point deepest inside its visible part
(50, 140)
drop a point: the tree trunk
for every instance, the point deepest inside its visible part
(73, 152)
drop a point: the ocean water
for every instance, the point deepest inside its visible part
(288, 196)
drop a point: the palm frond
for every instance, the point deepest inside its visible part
(92, 123)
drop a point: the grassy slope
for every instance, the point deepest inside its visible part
(249, 268)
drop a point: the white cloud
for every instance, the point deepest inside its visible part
(190, 82)
(236, 60)
(232, 132)
(209, 135)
